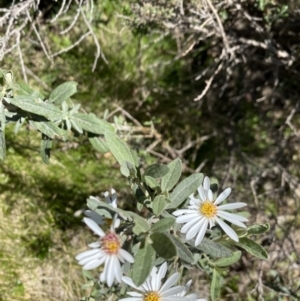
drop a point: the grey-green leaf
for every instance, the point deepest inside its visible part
(143, 264)
(156, 170)
(45, 149)
(92, 124)
(184, 189)
(2, 145)
(159, 204)
(215, 287)
(163, 225)
(63, 92)
(258, 229)
(172, 177)
(224, 262)
(182, 250)
(119, 149)
(94, 204)
(163, 245)
(37, 106)
(212, 248)
(151, 182)
(140, 224)
(49, 128)
(99, 144)
(252, 247)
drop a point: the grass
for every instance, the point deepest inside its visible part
(39, 233)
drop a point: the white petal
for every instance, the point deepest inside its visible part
(87, 253)
(118, 270)
(93, 264)
(201, 233)
(211, 223)
(182, 211)
(189, 224)
(85, 260)
(170, 282)
(94, 216)
(129, 282)
(227, 230)
(185, 218)
(232, 206)
(117, 223)
(173, 298)
(111, 270)
(223, 196)
(202, 193)
(127, 256)
(194, 230)
(93, 226)
(232, 216)
(206, 183)
(172, 291)
(103, 275)
(134, 294)
(210, 195)
(94, 245)
(131, 299)
(160, 275)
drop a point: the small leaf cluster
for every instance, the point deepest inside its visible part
(54, 116)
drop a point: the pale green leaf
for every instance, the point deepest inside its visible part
(163, 225)
(143, 264)
(140, 224)
(184, 189)
(2, 145)
(172, 177)
(215, 287)
(252, 247)
(37, 106)
(49, 128)
(156, 170)
(182, 250)
(90, 123)
(212, 248)
(95, 204)
(151, 182)
(159, 204)
(258, 229)
(99, 144)
(119, 149)
(224, 262)
(163, 245)
(63, 92)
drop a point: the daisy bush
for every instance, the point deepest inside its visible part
(178, 223)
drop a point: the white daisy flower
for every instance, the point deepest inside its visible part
(110, 200)
(204, 212)
(190, 297)
(153, 290)
(107, 250)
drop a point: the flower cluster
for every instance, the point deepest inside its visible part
(205, 211)
(153, 290)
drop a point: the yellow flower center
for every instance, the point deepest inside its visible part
(111, 243)
(208, 209)
(151, 296)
